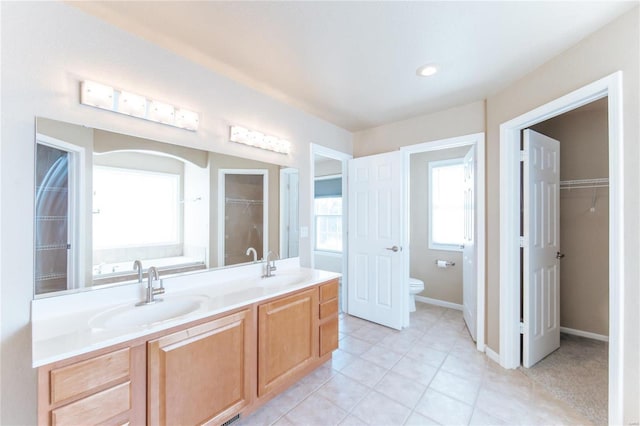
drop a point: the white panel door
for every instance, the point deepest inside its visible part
(541, 272)
(469, 267)
(376, 288)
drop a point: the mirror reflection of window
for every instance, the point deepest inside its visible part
(147, 206)
(134, 208)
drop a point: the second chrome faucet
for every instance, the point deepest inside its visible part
(269, 268)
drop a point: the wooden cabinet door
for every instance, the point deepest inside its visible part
(287, 339)
(202, 374)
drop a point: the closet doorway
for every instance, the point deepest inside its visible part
(566, 266)
(516, 324)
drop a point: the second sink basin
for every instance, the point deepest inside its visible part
(130, 316)
(284, 279)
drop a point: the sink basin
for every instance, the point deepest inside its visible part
(130, 316)
(284, 279)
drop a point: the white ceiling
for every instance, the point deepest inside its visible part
(354, 63)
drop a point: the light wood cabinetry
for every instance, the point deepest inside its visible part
(106, 388)
(202, 375)
(204, 372)
(287, 339)
(328, 317)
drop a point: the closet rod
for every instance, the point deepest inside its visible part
(584, 183)
(243, 201)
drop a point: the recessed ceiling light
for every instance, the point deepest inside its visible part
(427, 70)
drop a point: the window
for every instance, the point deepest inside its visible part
(446, 204)
(328, 214)
(133, 208)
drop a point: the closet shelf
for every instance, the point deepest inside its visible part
(52, 276)
(243, 201)
(50, 218)
(58, 189)
(63, 246)
(584, 183)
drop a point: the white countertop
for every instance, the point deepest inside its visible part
(61, 325)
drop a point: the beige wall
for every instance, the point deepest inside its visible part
(458, 121)
(440, 283)
(584, 235)
(612, 48)
(327, 166)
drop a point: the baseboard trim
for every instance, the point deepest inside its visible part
(586, 334)
(437, 302)
(492, 355)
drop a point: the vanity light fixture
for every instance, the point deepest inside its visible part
(427, 70)
(256, 139)
(161, 112)
(123, 102)
(132, 104)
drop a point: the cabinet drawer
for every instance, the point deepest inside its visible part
(94, 409)
(328, 308)
(329, 291)
(329, 336)
(75, 379)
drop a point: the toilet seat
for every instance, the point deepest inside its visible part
(415, 286)
(415, 283)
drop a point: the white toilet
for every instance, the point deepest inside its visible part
(415, 286)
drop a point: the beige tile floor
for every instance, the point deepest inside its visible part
(427, 374)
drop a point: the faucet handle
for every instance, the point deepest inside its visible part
(158, 290)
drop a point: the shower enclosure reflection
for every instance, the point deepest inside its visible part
(51, 219)
(244, 196)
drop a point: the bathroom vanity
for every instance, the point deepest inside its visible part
(228, 342)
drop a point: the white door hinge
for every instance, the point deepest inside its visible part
(523, 155)
(522, 242)
(521, 327)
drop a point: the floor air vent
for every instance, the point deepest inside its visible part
(231, 420)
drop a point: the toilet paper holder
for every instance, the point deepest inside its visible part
(445, 263)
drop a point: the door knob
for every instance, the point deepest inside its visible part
(394, 248)
(559, 255)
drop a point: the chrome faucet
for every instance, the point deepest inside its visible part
(152, 274)
(269, 268)
(255, 254)
(137, 266)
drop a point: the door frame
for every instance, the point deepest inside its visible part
(477, 140)
(285, 207)
(610, 86)
(222, 174)
(344, 158)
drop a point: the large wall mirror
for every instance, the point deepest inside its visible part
(104, 200)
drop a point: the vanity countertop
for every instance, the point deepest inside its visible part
(61, 328)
